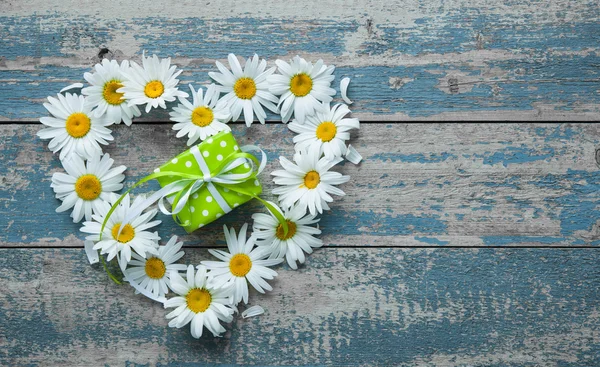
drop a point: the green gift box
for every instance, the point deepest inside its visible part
(219, 168)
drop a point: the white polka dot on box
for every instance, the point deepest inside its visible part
(211, 178)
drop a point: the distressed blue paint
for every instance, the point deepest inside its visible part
(517, 155)
(577, 210)
(516, 240)
(437, 208)
(565, 68)
(34, 329)
(580, 210)
(204, 364)
(413, 158)
(21, 228)
(391, 225)
(196, 37)
(525, 205)
(432, 241)
(419, 98)
(513, 182)
(47, 35)
(559, 132)
(514, 275)
(439, 34)
(50, 35)
(397, 185)
(526, 82)
(468, 29)
(481, 303)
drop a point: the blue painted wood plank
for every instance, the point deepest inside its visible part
(464, 64)
(345, 307)
(419, 185)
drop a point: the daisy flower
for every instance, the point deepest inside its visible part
(308, 182)
(86, 185)
(120, 238)
(200, 302)
(152, 273)
(270, 235)
(72, 128)
(302, 87)
(103, 95)
(205, 116)
(246, 89)
(241, 265)
(326, 131)
(153, 84)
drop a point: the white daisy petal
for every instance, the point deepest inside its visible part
(84, 184)
(325, 132)
(199, 302)
(302, 87)
(353, 155)
(238, 267)
(153, 272)
(247, 89)
(154, 84)
(120, 237)
(72, 86)
(202, 118)
(72, 129)
(344, 90)
(102, 96)
(298, 233)
(312, 172)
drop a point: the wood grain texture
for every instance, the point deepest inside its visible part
(456, 245)
(417, 60)
(418, 185)
(346, 307)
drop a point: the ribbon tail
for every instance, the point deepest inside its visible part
(274, 209)
(180, 201)
(263, 159)
(137, 207)
(271, 206)
(157, 196)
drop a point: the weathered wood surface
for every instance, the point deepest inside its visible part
(422, 59)
(521, 200)
(419, 185)
(346, 307)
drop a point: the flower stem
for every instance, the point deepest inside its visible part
(110, 275)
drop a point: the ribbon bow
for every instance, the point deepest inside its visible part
(180, 191)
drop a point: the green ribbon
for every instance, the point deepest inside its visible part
(194, 178)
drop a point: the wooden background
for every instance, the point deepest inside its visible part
(458, 243)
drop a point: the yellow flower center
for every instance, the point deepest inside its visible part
(154, 89)
(78, 125)
(240, 265)
(244, 88)
(312, 179)
(110, 93)
(155, 267)
(88, 187)
(301, 84)
(326, 131)
(127, 233)
(202, 116)
(198, 300)
(291, 231)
